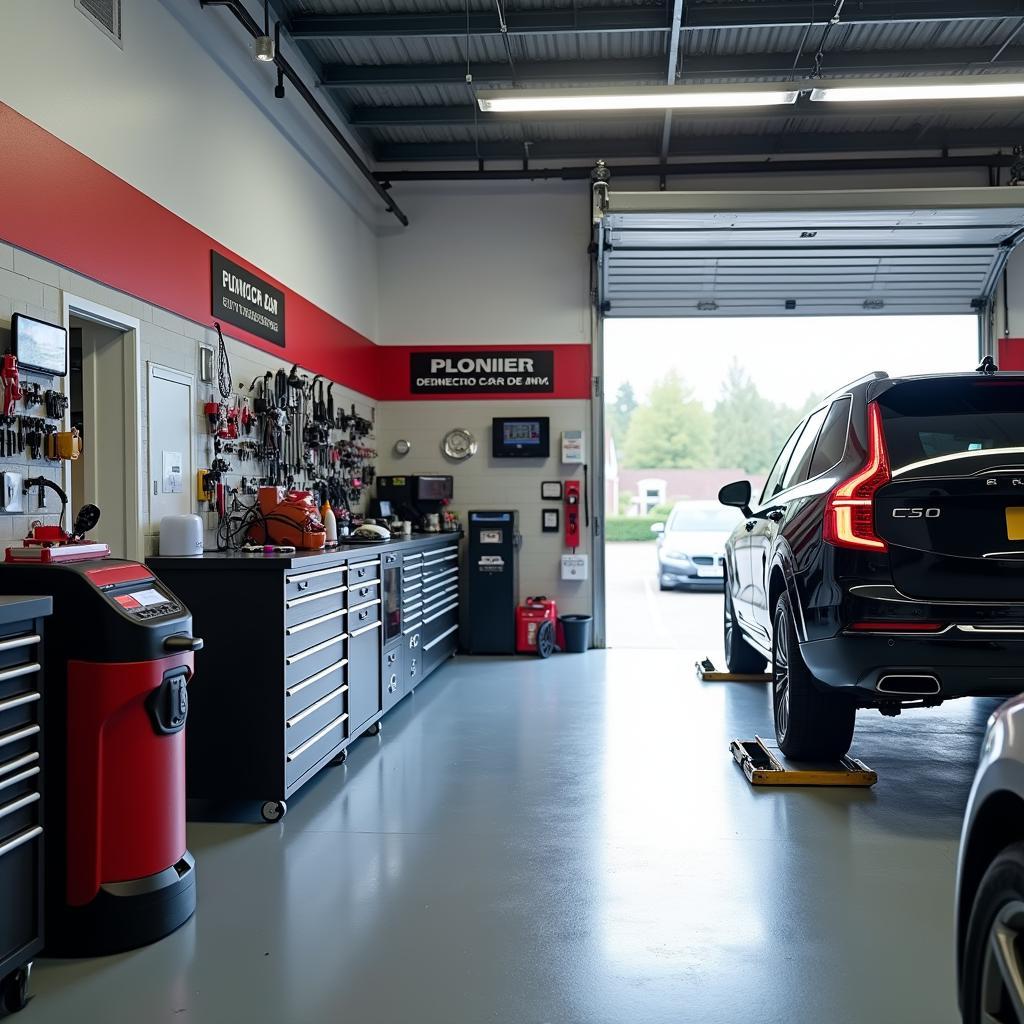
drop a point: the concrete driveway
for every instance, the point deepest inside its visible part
(641, 615)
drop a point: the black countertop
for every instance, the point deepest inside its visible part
(299, 559)
(15, 607)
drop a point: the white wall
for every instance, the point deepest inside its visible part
(482, 482)
(487, 263)
(185, 115)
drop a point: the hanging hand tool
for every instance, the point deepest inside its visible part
(11, 383)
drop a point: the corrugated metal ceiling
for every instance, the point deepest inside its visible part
(758, 52)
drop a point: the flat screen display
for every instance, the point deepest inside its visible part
(433, 488)
(526, 437)
(39, 346)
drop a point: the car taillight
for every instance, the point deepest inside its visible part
(849, 511)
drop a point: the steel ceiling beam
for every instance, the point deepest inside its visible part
(466, 114)
(673, 67)
(735, 14)
(694, 66)
(682, 147)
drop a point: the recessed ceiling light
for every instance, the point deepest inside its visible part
(654, 98)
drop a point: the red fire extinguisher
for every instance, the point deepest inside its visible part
(11, 383)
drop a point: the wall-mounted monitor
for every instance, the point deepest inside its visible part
(39, 345)
(520, 437)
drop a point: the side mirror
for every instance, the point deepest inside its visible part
(657, 527)
(736, 495)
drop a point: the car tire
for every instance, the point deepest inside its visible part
(996, 924)
(740, 657)
(811, 724)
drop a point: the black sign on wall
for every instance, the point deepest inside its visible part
(247, 301)
(487, 371)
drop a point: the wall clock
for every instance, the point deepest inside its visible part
(459, 444)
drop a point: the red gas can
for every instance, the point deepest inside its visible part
(529, 616)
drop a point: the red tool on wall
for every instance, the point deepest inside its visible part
(11, 383)
(572, 514)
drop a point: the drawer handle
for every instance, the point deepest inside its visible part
(19, 734)
(361, 566)
(16, 805)
(20, 839)
(411, 626)
(4, 783)
(301, 577)
(316, 649)
(319, 621)
(443, 611)
(365, 604)
(437, 640)
(315, 738)
(19, 670)
(19, 641)
(393, 683)
(365, 591)
(20, 700)
(322, 702)
(296, 601)
(18, 762)
(366, 629)
(299, 687)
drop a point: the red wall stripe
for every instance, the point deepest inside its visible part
(572, 373)
(65, 207)
(59, 204)
(1011, 354)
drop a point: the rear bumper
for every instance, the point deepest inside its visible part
(962, 667)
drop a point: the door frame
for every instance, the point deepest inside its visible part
(178, 377)
(130, 328)
(597, 427)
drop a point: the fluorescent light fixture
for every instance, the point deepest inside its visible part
(651, 98)
(909, 90)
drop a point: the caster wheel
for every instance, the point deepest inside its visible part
(14, 990)
(341, 758)
(273, 810)
(546, 639)
(374, 729)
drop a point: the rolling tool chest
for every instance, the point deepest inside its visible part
(21, 793)
(306, 652)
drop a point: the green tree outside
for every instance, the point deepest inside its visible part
(671, 430)
(619, 411)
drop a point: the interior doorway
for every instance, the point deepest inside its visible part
(693, 404)
(103, 392)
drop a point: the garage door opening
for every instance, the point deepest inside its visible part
(692, 404)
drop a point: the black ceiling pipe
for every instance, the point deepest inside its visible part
(726, 167)
(253, 28)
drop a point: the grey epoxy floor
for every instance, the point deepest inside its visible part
(567, 841)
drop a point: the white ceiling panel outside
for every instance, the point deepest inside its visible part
(897, 251)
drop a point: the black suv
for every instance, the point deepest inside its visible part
(883, 563)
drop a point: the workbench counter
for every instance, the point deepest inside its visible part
(305, 652)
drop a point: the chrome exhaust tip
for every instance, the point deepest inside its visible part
(908, 685)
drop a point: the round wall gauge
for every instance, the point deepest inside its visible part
(459, 444)
(402, 447)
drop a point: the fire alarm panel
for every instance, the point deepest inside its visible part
(572, 448)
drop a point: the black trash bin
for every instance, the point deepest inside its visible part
(576, 630)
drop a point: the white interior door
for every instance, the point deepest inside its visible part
(170, 443)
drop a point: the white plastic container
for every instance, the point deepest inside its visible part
(181, 535)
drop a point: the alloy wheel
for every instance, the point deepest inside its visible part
(780, 675)
(728, 618)
(1002, 973)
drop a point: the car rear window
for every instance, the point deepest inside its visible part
(704, 517)
(929, 419)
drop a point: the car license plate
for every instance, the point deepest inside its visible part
(716, 570)
(1015, 524)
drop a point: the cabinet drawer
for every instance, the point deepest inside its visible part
(320, 745)
(364, 676)
(444, 643)
(391, 686)
(440, 556)
(362, 593)
(363, 572)
(312, 606)
(20, 707)
(304, 635)
(16, 741)
(412, 658)
(308, 722)
(299, 696)
(440, 610)
(443, 578)
(20, 856)
(18, 813)
(302, 584)
(19, 648)
(362, 615)
(304, 664)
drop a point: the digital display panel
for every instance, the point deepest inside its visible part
(525, 437)
(433, 488)
(39, 346)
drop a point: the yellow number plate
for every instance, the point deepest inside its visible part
(1015, 523)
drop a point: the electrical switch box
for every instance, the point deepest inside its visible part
(575, 567)
(13, 501)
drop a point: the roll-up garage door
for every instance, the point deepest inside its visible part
(836, 253)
